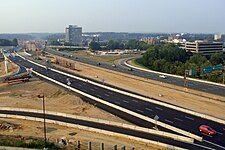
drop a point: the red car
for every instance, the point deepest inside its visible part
(207, 130)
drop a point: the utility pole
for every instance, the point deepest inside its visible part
(223, 74)
(43, 106)
(185, 78)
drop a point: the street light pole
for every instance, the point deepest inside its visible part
(43, 106)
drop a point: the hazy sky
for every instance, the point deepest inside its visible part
(193, 16)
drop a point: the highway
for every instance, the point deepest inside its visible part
(172, 117)
(195, 85)
(111, 128)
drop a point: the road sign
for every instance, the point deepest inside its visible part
(192, 72)
(217, 67)
(156, 118)
(207, 70)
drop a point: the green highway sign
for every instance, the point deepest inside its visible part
(192, 72)
(217, 68)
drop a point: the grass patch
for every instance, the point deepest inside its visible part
(27, 143)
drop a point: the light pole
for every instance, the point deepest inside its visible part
(43, 106)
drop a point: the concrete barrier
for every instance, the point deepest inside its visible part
(118, 107)
(100, 131)
(181, 77)
(123, 109)
(127, 126)
(137, 96)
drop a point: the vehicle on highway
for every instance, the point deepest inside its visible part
(163, 76)
(207, 130)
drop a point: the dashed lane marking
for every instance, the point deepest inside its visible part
(189, 118)
(92, 89)
(134, 100)
(139, 110)
(125, 101)
(219, 133)
(148, 109)
(158, 108)
(99, 96)
(117, 102)
(107, 95)
(178, 119)
(168, 121)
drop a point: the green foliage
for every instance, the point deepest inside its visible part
(216, 59)
(55, 43)
(170, 58)
(38, 144)
(114, 45)
(94, 46)
(135, 44)
(5, 42)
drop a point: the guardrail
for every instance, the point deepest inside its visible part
(172, 75)
(101, 121)
(13, 73)
(93, 130)
(113, 105)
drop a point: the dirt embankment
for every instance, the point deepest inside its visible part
(194, 100)
(57, 99)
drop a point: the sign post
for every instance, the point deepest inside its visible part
(156, 118)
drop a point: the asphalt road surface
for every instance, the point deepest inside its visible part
(111, 128)
(195, 85)
(172, 117)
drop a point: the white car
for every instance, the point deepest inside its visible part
(163, 76)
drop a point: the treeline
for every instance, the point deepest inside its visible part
(171, 59)
(5, 42)
(112, 45)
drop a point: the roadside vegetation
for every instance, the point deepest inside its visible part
(5, 42)
(171, 59)
(27, 143)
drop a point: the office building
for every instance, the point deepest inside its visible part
(151, 41)
(74, 34)
(204, 48)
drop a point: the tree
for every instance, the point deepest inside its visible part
(216, 59)
(14, 42)
(94, 46)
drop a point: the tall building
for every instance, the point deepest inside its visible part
(74, 34)
(204, 48)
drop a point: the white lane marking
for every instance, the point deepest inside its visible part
(178, 119)
(206, 134)
(168, 121)
(202, 146)
(158, 108)
(134, 100)
(189, 118)
(214, 144)
(106, 95)
(125, 101)
(110, 92)
(92, 89)
(79, 85)
(219, 133)
(139, 110)
(117, 102)
(84, 90)
(148, 109)
(99, 96)
(223, 128)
